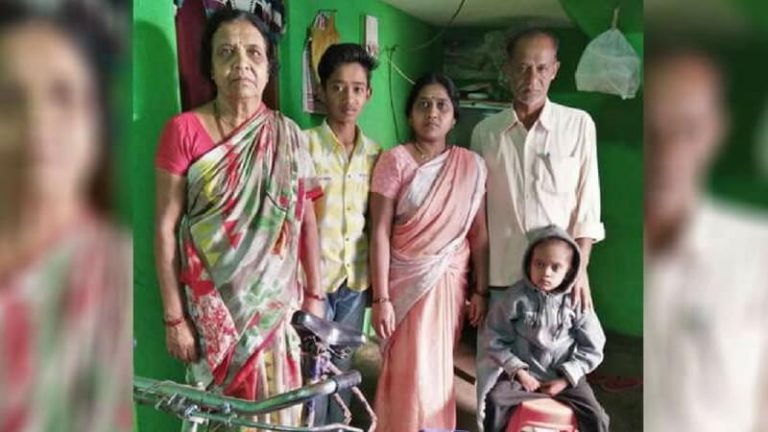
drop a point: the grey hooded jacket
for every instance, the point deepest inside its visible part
(536, 330)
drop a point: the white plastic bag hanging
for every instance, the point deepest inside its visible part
(609, 65)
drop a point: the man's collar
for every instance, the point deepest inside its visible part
(691, 242)
(545, 117)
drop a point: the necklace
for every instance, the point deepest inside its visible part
(217, 116)
(424, 155)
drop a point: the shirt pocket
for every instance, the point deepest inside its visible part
(324, 180)
(361, 181)
(557, 174)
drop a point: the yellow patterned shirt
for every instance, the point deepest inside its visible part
(341, 211)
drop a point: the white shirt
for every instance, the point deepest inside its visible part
(537, 177)
(706, 326)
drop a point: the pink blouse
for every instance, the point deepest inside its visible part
(183, 141)
(394, 169)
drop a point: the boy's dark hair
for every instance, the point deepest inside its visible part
(529, 33)
(345, 53)
(227, 15)
(434, 78)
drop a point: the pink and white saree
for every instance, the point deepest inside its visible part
(428, 265)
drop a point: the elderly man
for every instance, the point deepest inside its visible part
(706, 280)
(542, 164)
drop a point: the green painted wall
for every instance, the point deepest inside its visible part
(736, 175)
(616, 269)
(156, 99)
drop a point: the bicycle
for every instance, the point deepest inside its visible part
(320, 340)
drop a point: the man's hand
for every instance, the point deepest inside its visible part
(554, 387)
(527, 380)
(478, 306)
(582, 293)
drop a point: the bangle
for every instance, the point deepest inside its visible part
(314, 296)
(380, 300)
(174, 322)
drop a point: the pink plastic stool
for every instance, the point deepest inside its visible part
(543, 413)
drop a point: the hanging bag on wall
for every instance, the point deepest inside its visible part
(322, 34)
(609, 65)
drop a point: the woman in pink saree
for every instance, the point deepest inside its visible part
(235, 190)
(427, 209)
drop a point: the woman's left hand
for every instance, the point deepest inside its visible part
(478, 306)
(314, 306)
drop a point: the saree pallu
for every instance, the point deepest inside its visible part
(66, 332)
(429, 259)
(239, 254)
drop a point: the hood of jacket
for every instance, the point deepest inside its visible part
(535, 237)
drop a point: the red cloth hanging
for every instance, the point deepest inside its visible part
(196, 88)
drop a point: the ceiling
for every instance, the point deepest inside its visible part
(481, 12)
(693, 14)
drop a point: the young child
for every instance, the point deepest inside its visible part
(344, 159)
(535, 343)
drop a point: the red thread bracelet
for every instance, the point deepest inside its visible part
(314, 296)
(174, 322)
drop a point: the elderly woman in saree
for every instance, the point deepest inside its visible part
(428, 224)
(235, 186)
(65, 287)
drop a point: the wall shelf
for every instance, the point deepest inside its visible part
(483, 105)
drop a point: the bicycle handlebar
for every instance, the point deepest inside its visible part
(149, 391)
